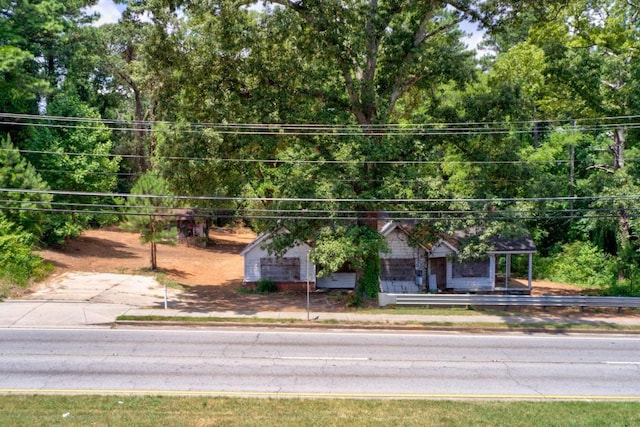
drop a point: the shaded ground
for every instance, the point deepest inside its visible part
(209, 278)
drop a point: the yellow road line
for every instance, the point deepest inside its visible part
(213, 393)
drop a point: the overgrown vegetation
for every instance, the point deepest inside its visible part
(584, 264)
(580, 263)
(369, 284)
(412, 125)
(266, 286)
(18, 264)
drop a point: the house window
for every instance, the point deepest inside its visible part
(471, 269)
(398, 269)
(280, 269)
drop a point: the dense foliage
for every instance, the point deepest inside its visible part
(325, 118)
(18, 264)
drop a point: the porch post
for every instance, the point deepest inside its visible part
(530, 271)
(507, 273)
(492, 270)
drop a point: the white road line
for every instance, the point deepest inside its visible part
(357, 359)
(620, 363)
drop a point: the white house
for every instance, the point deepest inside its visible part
(408, 267)
(414, 266)
(292, 271)
(402, 269)
(486, 274)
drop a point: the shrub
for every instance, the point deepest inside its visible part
(18, 264)
(628, 288)
(266, 286)
(580, 263)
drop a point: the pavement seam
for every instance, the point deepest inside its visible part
(27, 313)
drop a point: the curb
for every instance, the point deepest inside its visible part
(373, 326)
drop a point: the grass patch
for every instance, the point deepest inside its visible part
(424, 311)
(195, 411)
(203, 319)
(384, 324)
(165, 281)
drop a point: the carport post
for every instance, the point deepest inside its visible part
(530, 272)
(308, 315)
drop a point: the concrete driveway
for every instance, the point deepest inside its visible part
(83, 299)
(135, 291)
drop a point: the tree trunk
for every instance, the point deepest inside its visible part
(624, 226)
(154, 263)
(139, 134)
(617, 149)
(152, 225)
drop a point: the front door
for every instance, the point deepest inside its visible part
(439, 268)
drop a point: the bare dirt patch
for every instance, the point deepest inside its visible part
(210, 278)
(111, 250)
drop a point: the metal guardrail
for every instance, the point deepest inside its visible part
(508, 300)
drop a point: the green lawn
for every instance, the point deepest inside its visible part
(39, 410)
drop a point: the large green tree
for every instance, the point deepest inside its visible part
(363, 64)
(25, 209)
(377, 53)
(381, 70)
(573, 71)
(73, 157)
(38, 38)
(592, 52)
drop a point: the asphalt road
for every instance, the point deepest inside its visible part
(320, 363)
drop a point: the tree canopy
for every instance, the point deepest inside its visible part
(326, 118)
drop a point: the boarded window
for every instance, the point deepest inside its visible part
(471, 269)
(398, 269)
(280, 269)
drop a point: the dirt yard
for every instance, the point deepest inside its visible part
(209, 277)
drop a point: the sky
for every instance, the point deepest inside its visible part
(110, 13)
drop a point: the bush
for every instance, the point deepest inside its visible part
(580, 263)
(266, 286)
(18, 264)
(628, 288)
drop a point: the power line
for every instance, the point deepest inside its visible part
(319, 161)
(328, 199)
(10, 204)
(334, 133)
(570, 123)
(264, 129)
(463, 216)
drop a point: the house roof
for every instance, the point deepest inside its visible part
(501, 244)
(517, 245)
(190, 214)
(255, 243)
(388, 228)
(391, 225)
(263, 237)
